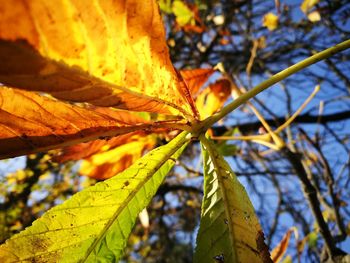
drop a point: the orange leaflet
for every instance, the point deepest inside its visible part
(110, 161)
(87, 149)
(213, 97)
(109, 53)
(195, 78)
(279, 251)
(32, 123)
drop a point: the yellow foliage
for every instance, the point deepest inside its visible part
(19, 175)
(314, 16)
(184, 15)
(109, 53)
(213, 98)
(307, 5)
(106, 164)
(270, 21)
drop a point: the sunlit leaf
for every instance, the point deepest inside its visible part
(229, 229)
(183, 13)
(85, 150)
(165, 6)
(32, 123)
(328, 215)
(195, 78)
(108, 53)
(278, 252)
(314, 16)
(94, 225)
(109, 162)
(270, 21)
(312, 239)
(213, 97)
(308, 4)
(196, 24)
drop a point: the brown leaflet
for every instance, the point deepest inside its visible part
(262, 248)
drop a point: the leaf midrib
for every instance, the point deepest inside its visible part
(217, 169)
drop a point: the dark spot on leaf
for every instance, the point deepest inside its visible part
(104, 138)
(126, 183)
(40, 244)
(262, 247)
(226, 221)
(71, 224)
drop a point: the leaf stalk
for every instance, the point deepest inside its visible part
(207, 123)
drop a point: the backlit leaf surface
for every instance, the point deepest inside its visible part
(93, 226)
(229, 229)
(212, 98)
(107, 53)
(278, 252)
(195, 78)
(183, 13)
(270, 21)
(87, 149)
(308, 4)
(32, 123)
(109, 162)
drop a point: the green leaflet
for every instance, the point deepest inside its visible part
(229, 229)
(183, 14)
(94, 225)
(165, 6)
